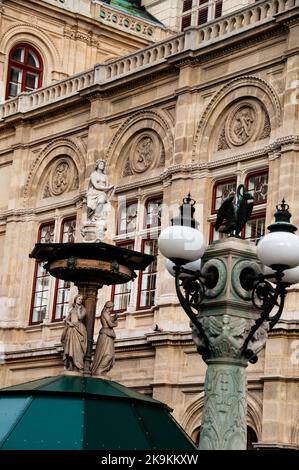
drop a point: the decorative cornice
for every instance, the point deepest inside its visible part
(137, 117)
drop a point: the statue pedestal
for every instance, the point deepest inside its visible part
(93, 231)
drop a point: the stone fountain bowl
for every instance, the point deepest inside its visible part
(91, 262)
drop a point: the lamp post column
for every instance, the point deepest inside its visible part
(226, 318)
(225, 406)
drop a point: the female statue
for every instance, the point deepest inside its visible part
(104, 354)
(98, 193)
(74, 336)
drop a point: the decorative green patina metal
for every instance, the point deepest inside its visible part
(83, 413)
(133, 7)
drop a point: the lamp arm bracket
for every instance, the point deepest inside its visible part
(190, 293)
(269, 297)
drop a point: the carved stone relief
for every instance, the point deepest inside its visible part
(145, 151)
(240, 125)
(62, 177)
(245, 122)
(142, 154)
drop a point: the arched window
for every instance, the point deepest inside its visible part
(25, 70)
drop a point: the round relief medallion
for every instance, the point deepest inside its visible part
(242, 124)
(143, 154)
(60, 178)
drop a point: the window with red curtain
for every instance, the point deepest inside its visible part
(40, 295)
(221, 190)
(25, 70)
(62, 288)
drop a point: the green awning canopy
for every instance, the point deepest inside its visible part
(84, 413)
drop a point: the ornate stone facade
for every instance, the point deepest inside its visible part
(175, 116)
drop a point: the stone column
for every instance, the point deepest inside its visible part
(227, 316)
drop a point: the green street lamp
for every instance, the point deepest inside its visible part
(234, 293)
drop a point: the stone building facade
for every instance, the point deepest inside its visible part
(170, 111)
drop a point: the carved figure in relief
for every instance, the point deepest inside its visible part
(243, 125)
(144, 154)
(104, 354)
(98, 193)
(60, 178)
(74, 336)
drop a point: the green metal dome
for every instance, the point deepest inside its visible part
(84, 413)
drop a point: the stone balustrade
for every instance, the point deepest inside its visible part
(192, 39)
(50, 94)
(245, 18)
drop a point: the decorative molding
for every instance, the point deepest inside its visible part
(151, 131)
(20, 30)
(53, 145)
(225, 396)
(62, 177)
(145, 151)
(232, 85)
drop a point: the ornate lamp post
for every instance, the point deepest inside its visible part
(233, 297)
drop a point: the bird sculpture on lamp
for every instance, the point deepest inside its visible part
(234, 212)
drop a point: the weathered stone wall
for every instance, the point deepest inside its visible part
(187, 102)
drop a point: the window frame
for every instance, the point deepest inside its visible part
(24, 67)
(217, 183)
(53, 319)
(118, 224)
(158, 197)
(254, 216)
(37, 262)
(263, 171)
(122, 244)
(141, 274)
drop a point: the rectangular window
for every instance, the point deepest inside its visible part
(127, 221)
(255, 228)
(153, 213)
(202, 16)
(257, 184)
(121, 293)
(218, 9)
(41, 279)
(62, 299)
(31, 81)
(62, 288)
(15, 82)
(186, 22)
(221, 191)
(187, 5)
(147, 279)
